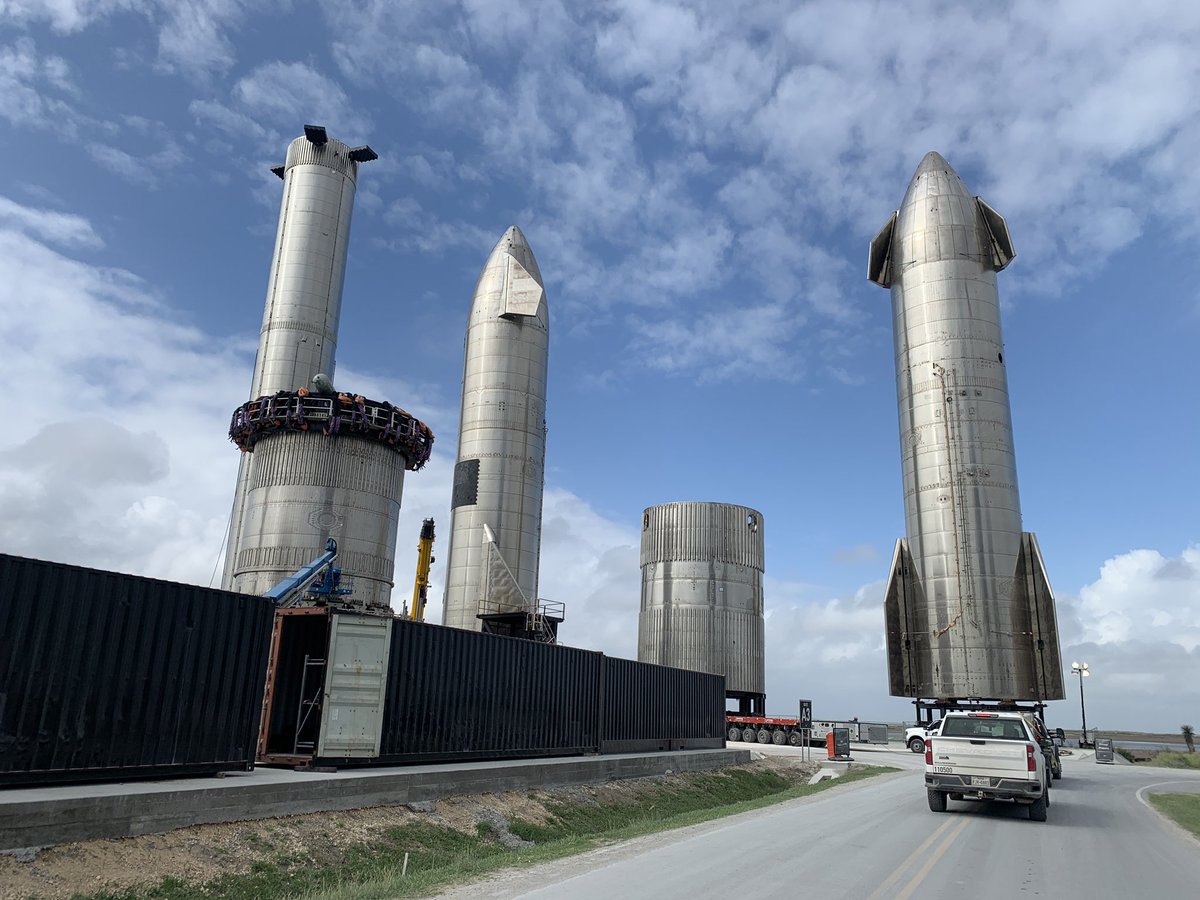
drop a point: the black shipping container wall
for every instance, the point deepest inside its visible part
(462, 695)
(104, 675)
(454, 694)
(657, 707)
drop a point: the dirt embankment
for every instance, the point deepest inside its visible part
(203, 852)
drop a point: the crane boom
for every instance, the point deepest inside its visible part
(424, 561)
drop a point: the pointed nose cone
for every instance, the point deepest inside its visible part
(514, 243)
(510, 284)
(934, 161)
(935, 176)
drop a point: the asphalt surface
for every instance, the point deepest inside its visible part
(878, 839)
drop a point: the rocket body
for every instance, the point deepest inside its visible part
(316, 464)
(969, 610)
(496, 513)
(304, 293)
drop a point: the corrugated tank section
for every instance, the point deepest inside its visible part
(304, 488)
(650, 707)
(702, 596)
(105, 675)
(456, 694)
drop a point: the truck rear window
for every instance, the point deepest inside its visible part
(992, 729)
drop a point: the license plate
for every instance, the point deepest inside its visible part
(981, 781)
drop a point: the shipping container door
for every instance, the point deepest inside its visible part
(355, 679)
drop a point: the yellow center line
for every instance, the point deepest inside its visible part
(932, 861)
(882, 890)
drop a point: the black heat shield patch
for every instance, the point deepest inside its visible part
(466, 483)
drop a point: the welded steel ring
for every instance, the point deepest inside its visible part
(333, 415)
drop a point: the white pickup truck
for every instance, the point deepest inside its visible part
(986, 756)
(916, 736)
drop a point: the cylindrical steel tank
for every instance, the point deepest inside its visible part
(501, 440)
(702, 594)
(304, 290)
(304, 489)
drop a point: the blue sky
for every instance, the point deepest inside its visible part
(699, 183)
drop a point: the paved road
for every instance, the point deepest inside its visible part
(878, 839)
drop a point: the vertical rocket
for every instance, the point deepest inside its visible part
(969, 611)
(317, 464)
(496, 509)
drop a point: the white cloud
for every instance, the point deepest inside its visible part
(286, 93)
(1138, 628)
(194, 38)
(147, 170)
(128, 418)
(28, 84)
(64, 229)
(1145, 595)
(65, 15)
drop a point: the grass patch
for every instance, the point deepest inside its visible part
(439, 856)
(577, 827)
(1182, 809)
(430, 848)
(1169, 759)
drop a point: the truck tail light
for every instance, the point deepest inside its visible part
(928, 752)
(1030, 758)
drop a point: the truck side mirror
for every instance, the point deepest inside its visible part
(1058, 733)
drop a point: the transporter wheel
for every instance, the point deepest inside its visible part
(795, 739)
(937, 800)
(1037, 809)
(735, 733)
(779, 736)
(748, 736)
(917, 745)
(764, 736)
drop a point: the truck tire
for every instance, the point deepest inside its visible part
(779, 736)
(764, 736)
(1056, 772)
(917, 745)
(937, 801)
(795, 739)
(735, 733)
(748, 735)
(1037, 809)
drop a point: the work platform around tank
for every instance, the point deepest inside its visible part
(42, 816)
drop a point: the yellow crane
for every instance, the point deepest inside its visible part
(416, 612)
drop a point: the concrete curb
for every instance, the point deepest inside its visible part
(46, 816)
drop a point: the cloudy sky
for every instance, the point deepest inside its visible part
(699, 183)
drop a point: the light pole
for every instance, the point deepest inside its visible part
(1081, 669)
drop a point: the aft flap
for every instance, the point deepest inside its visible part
(1031, 591)
(499, 590)
(907, 638)
(1002, 246)
(879, 263)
